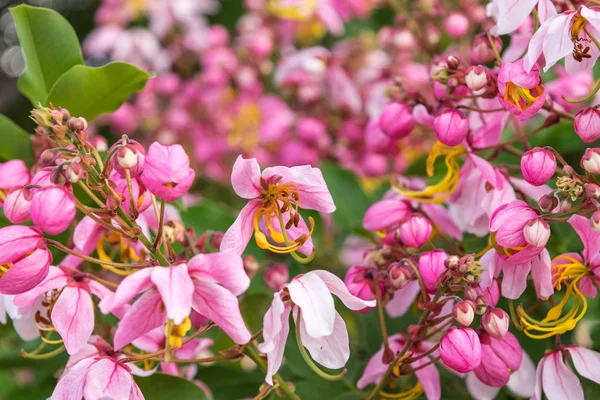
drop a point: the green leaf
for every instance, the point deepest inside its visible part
(209, 215)
(350, 200)
(16, 143)
(90, 91)
(50, 48)
(168, 387)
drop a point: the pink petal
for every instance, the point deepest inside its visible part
(176, 289)
(239, 234)
(336, 286)
(514, 282)
(586, 362)
(373, 372)
(589, 236)
(275, 332)
(520, 380)
(86, 235)
(99, 290)
(546, 10)
(144, 315)
(511, 14)
(311, 294)
(73, 317)
(225, 268)
(557, 42)
(534, 192)
(429, 378)
(106, 379)
(537, 393)
(221, 306)
(541, 272)
(536, 45)
(403, 299)
(70, 385)
(129, 287)
(136, 393)
(479, 390)
(439, 215)
(332, 351)
(27, 273)
(245, 178)
(55, 279)
(487, 171)
(16, 241)
(559, 382)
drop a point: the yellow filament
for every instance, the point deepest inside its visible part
(411, 394)
(104, 257)
(178, 332)
(517, 95)
(440, 191)
(299, 11)
(4, 268)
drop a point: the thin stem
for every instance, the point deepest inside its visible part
(427, 364)
(387, 352)
(102, 281)
(253, 354)
(422, 355)
(494, 49)
(65, 249)
(91, 194)
(161, 221)
(84, 209)
(132, 208)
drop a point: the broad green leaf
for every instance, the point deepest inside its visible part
(50, 48)
(350, 200)
(90, 91)
(168, 387)
(209, 215)
(16, 143)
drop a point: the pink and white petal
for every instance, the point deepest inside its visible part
(275, 347)
(534, 192)
(330, 351)
(73, 317)
(537, 390)
(429, 378)
(245, 178)
(487, 171)
(107, 379)
(589, 236)
(337, 287)
(541, 272)
(136, 393)
(312, 295)
(144, 315)
(176, 289)
(14, 244)
(239, 234)
(27, 273)
(129, 287)
(514, 282)
(273, 323)
(546, 10)
(586, 362)
(86, 235)
(225, 268)
(512, 13)
(520, 380)
(557, 42)
(88, 350)
(536, 45)
(99, 290)
(403, 299)
(588, 287)
(373, 372)
(491, 264)
(221, 306)
(479, 390)
(559, 381)
(442, 220)
(151, 341)
(55, 279)
(70, 385)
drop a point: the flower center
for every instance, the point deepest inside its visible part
(44, 322)
(521, 97)
(178, 332)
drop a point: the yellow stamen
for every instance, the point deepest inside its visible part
(521, 97)
(440, 191)
(4, 268)
(178, 332)
(411, 394)
(126, 253)
(296, 10)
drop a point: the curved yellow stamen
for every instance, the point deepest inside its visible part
(296, 12)
(124, 250)
(440, 191)
(411, 394)
(521, 97)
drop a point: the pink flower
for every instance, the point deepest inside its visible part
(451, 127)
(431, 267)
(322, 330)
(273, 198)
(464, 312)
(428, 376)
(555, 377)
(496, 322)
(12, 173)
(520, 92)
(386, 215)
(72, 307)
(508, 223)
(95, 372)
(141, 197)
(498, 358)
(415, 231)
(17, 204)
(519, 382)
(587, 124)
(167, 173)
(130, 156)
(566, 35)
(538, 166)
(460, 349)
(209, 284)
(24, 259)
(360, 283)
(510, 14)
(53, 209)
(396, 120)
(476, 77)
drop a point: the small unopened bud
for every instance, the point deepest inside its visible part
(415, 232)
(548, 202)
(66, 115)
(481, 50)
(464, 312)
(453, 63)
(592, 190)
(587, 124)
(58, 177)
(276, 276)
(591, 160)
(565, 206)
(471, 294)
(451, 127)
(568, 171)
(126, 158)
(74, 172)
(476, 77)
(216, 239)
(452, 262)
(595, 220)
(538, 165)
(130, 156)
(47, 157)
(251, 266)
(77, 124)
(457, 25)
(400, 275)
(496, 322)
(536, 232)
(460, 349)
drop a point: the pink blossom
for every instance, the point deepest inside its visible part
(130, 156)
(53, 209)
(510, 14)
(12, 173)
(538, 166)
(386, 215)
(498, 358)
(520, 91)
(17, 204)
(415, 231)
(360, 283)
(464, 312)
(24, 259)
(268, 192)
(322, 330)
(495, 322)
(451, 127)
(276, 275)
(519, 382)
(167, 173)
(141, 196)
(396, 120)
(591, 160)
(457, 25)
(431, 267)
(460, 349)
(587, 124)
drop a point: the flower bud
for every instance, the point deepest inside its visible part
(587, 124)
(536, 232)
(17, 204)
(451, 127)
(396, 120)
(53, 209)
(471, 293)
(592, 190)
(591, 160)
(360, 283)
(595, 220)
(460, 349)
(548, 202)
(496, 322)
(415, 232)
(400, 275)
(215, 240)
(457, 25)
(74, 172)
(453, 62)
(57, 177)
(130, 156)
(464, 312)
(538, 165)
(476, 77)
(276, 275)
(452, 262)
(481, 50)
(251, 266)
(48, 157)
(167, 173)
(77, 124)
(431, 267)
